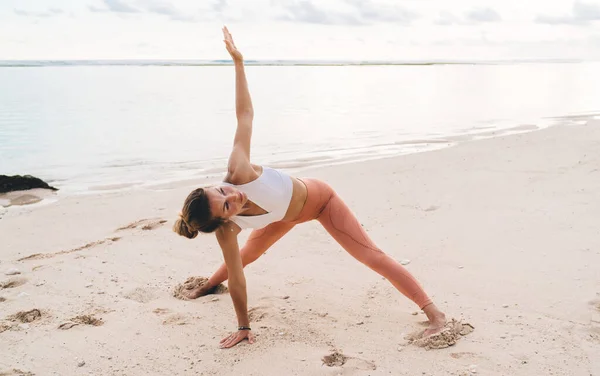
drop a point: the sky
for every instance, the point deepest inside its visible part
(301, 29)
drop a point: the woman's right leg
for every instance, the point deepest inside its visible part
(345, 228)
(258, 242)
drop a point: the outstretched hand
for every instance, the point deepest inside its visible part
(231, 48)
(235, 338)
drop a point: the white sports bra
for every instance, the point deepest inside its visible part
(272, 191)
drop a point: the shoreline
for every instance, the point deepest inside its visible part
(501, 232)
(297, 165)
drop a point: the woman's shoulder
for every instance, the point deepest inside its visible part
(243, 175)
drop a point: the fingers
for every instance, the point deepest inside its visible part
(227, 35)
(226, 338)
(235, 338)
(231, 341)
(226, 32)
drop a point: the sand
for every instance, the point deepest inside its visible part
(31, 196)
(502, 232)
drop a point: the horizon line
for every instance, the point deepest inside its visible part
(267, 62)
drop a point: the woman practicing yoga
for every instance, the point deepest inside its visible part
(272, 203)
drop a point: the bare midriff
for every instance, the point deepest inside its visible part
(299, 194)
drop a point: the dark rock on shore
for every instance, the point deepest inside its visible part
(22, 183)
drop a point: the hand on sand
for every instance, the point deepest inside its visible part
(192, 292)
(235, 338)
(231, 48)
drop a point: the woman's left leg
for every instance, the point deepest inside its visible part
(343, 226)
(258, 243)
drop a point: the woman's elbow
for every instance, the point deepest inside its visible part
(245, 114)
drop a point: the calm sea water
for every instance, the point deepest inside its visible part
(88, 127)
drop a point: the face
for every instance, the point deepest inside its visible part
(226, 201)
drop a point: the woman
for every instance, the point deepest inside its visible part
(272, 203)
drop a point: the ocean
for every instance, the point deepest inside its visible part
(89, 126)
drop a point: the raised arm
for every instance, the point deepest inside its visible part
(227, 237)
(239, 160)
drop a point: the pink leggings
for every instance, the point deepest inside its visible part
(324, 205)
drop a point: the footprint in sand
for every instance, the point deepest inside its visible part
(175, 319)
(595, 319)
(335, 359)
(257, 314)
(270, 306)
(595, 303)
(12, 283)
(81, 320)
(24, 317)
(4, 326)
(279, 321)
(350, 364)
(172, 319)
(39, 256)
(452, 332)
(161, 311)
(458, 355)
(144, 224)
(16, 372)
(141, 295)
(193, 283)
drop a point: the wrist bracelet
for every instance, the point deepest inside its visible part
(244, 328)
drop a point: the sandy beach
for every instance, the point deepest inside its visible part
(503, 233)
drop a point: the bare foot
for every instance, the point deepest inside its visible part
(193, 292)
(437, 320)
(195, 287)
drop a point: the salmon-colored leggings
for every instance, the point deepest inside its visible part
(324, 205)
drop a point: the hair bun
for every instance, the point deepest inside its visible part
(182, 228)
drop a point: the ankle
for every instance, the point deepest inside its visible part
(210, 284)
(433, 313)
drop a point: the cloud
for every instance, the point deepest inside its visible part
(48, 13)
(581, 13)
(483, 15)
(382, 12)
(166, 9)
(219, 5)
(471, 17)
(304, 11)
(361, 12)
(586, 12)
(553, 20)
(158, 7)
(446, 18)
(117, 6)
